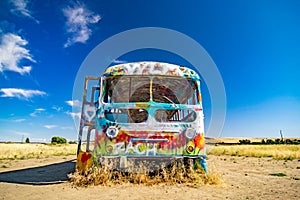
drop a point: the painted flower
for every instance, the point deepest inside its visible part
(199, 141)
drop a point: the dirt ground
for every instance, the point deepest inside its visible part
(244, 178)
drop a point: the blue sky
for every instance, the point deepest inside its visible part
(255, 45)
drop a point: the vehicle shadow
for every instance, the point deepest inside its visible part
(43, 175)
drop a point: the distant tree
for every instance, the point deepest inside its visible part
(277, 141)
(246, 141)
(270, 141)
(58, 140)
(263, 141)
(27, 140)
(288, 141)
(295, 141)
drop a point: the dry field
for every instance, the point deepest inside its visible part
(279, 152)
(236, 140)
(31, 171)
(26, 151)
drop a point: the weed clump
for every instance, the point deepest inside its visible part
(278, 174)
(177, 173)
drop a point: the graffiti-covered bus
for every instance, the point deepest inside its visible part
(142, 110)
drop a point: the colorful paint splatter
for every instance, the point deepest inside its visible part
(145, 110)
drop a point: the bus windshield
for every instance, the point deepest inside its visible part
(160, 89)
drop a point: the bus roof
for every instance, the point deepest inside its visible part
(150, 68)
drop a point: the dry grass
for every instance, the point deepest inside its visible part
(174, 174)
(25, 151)
(281, 152)
(236, 140)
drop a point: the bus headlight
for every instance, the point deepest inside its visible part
(189, 149)
(112, 131)
(109, 149)
(190, 133)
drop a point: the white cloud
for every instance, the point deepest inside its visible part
(50, 126)
(21, 7)
(37, 111)
(74, 115)
(20, 93)
(19, 120)
(57, 108)
(13, 120)
(38, 139)
(13, 52)
(75, 103)
(79, 19)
